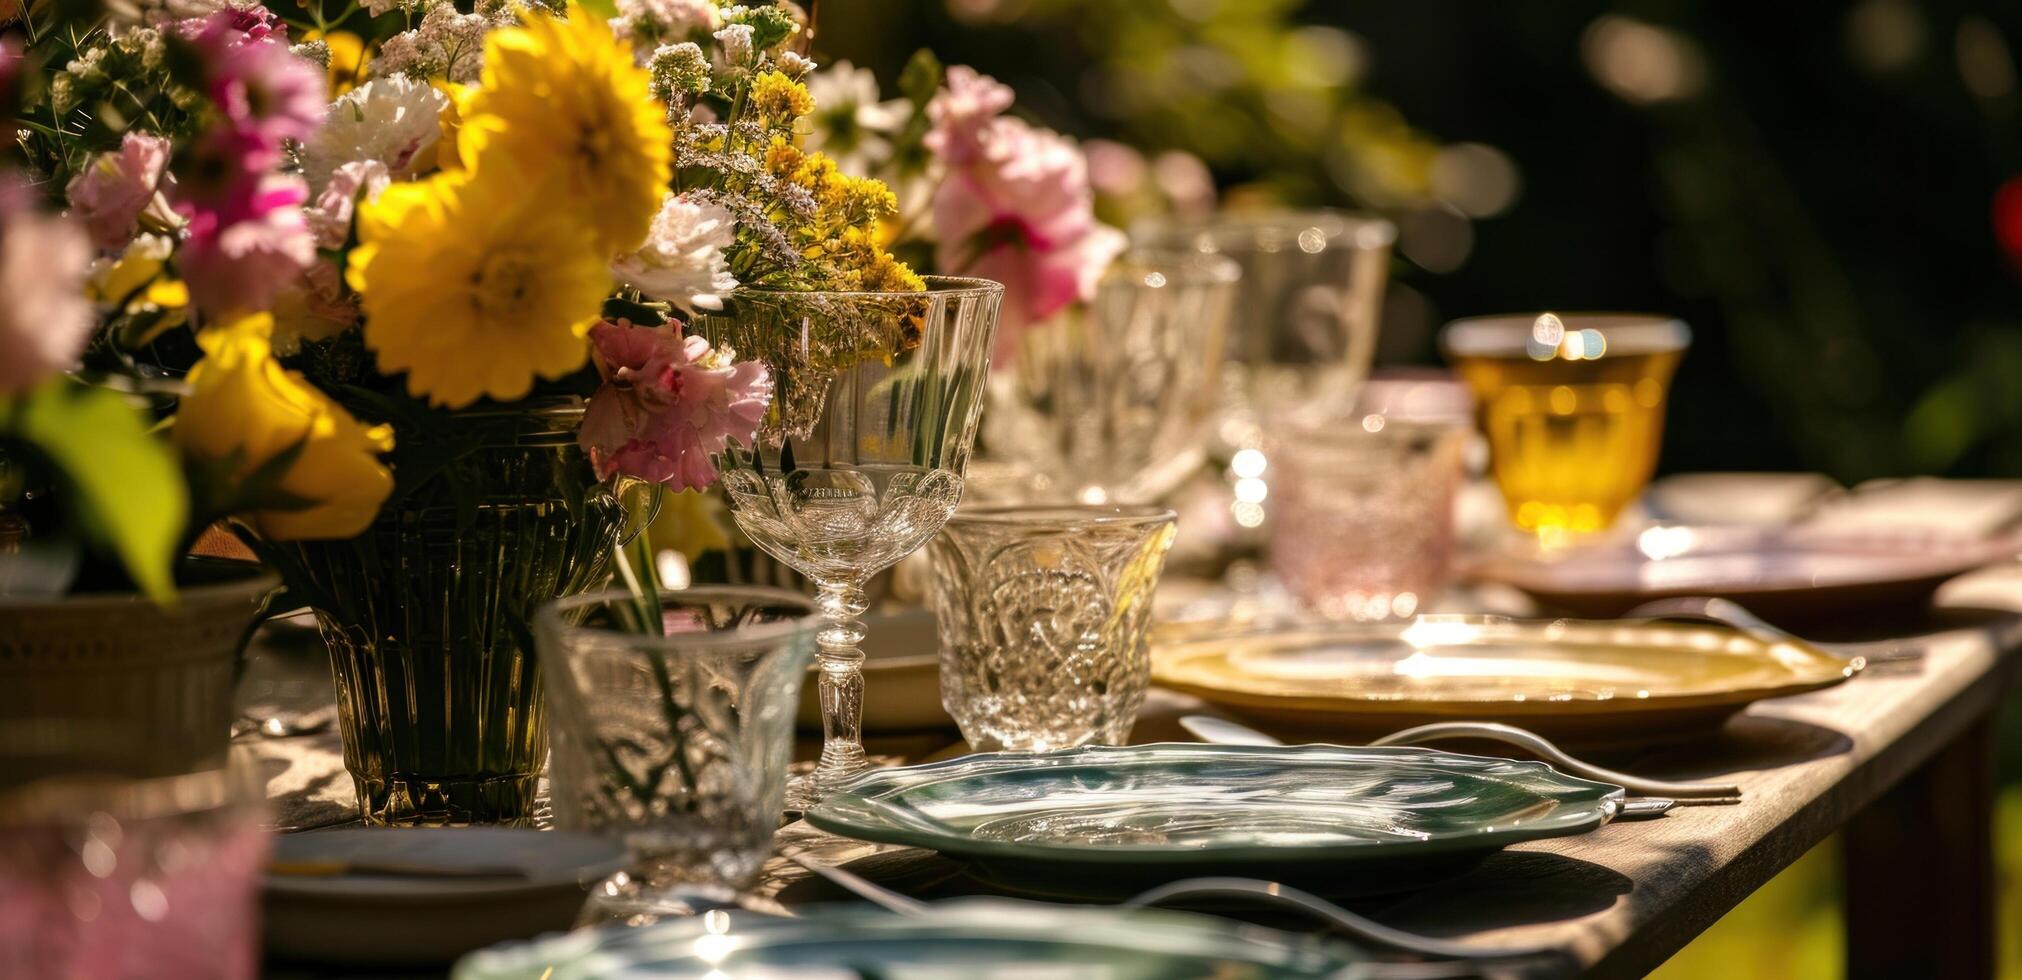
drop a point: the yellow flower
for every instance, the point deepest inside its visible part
(447, 155)
(564, 102)
(780, 99)
(782, 158)
(861, 263)
(473, 286)
(244, 409)
(691, 522)
(136, 284)
(849, 202)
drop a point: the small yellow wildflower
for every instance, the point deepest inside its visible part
(780, 99)
(782, 158)
(853, 201)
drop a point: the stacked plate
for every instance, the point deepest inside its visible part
(1580, 682)
(1100, 819)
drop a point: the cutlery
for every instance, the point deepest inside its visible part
(1366, 930)
(857, 885)
(389, 869)
(1727, 612)
(1222, 731)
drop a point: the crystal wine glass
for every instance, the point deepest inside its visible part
(860, 459)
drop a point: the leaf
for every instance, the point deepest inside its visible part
(128, 486)
(921, 77)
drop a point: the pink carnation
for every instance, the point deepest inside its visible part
(44, 318)
(1016, 205)
(239, 255)
(114, 188)
(330, 217)
(667, 403)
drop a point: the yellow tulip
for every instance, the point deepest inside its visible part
(244, 409)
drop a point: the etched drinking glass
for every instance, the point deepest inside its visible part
(1363, 529)
(1114, 403)
(1043, 614)
(677, 743)
(860, 458)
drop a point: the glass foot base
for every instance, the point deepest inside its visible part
(802, 791)
(413, 801)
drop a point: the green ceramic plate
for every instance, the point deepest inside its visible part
(1186, 806)
(970, 938)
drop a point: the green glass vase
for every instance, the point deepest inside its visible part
(427, 617)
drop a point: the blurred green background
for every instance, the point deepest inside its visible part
(1813, 186)
(1810, 185)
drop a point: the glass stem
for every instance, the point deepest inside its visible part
(842, 684)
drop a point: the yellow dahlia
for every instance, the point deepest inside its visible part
(563, 101)
(473, 286)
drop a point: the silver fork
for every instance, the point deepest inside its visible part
(1358, 927)
(1727, 612)
(1222, 731)
(1265, 892)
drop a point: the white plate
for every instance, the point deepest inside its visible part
(379, 920)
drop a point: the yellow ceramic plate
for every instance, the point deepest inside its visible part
(1587, 681)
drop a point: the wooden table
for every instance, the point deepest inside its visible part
(1900, 759)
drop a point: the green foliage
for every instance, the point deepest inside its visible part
(124, 479)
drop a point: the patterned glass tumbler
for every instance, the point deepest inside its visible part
(1364, 527)
(1043, 615)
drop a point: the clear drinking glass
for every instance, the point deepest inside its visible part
(104, 873)
(1114, 403)
(1363, 529)
(1043, 614)
(1308, 303)
(1573, 406)
(860, 459)
(677, 744)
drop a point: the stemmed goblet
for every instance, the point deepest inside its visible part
(861, 456)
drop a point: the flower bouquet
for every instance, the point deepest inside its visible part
(422, 341)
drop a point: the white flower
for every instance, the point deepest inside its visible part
(849, 123)
(682, 260)
(648, 24)
(395, 121)
(736, 45)
(794, 65)
(448, 44)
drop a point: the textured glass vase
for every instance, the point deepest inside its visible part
(428, 618)
(861, 456)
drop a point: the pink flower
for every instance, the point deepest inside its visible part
(115, 188)
(1016, 205)
(959, 111)
(239, 255)
(667, 403)
(44, 317)
(330, 217)
(265, 95)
